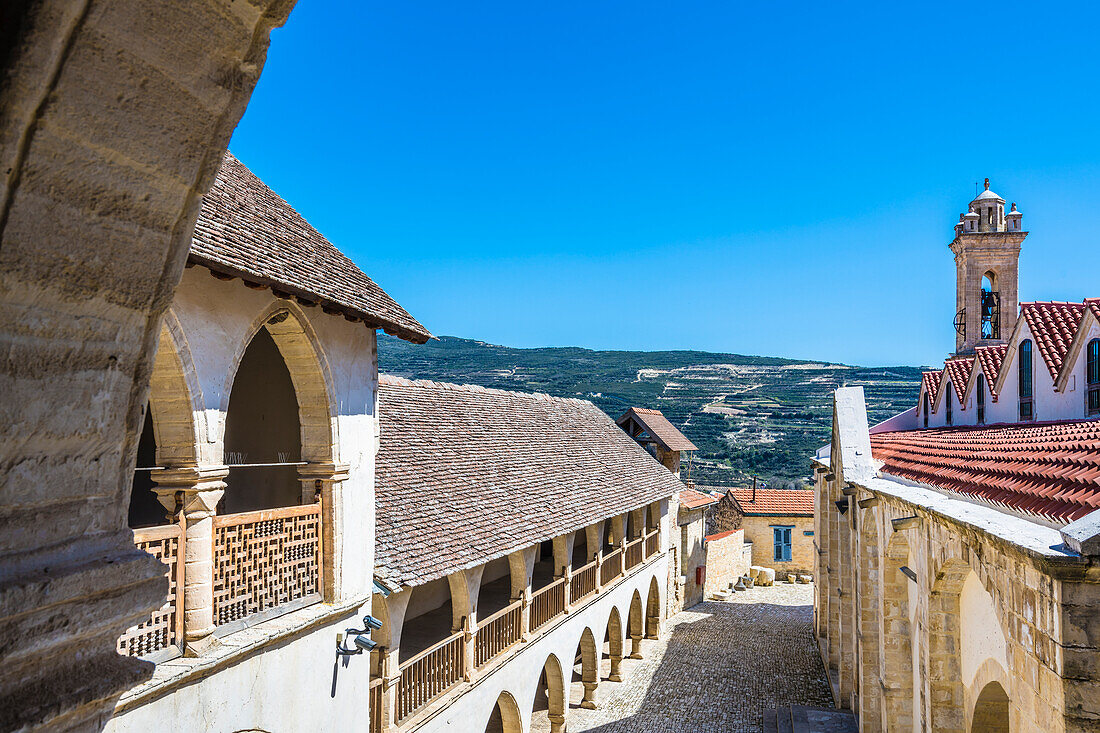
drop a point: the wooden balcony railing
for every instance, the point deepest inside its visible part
(374, 700)
(583, 582)
(652, 543)
(266, 559)
(164, 628)
(612, 567)
(634, 552)
(546, 603)
(498, 632)
(429, 674)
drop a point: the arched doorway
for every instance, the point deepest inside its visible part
(991, 711)
(505, 717)
(586, 672)
(262, 432)
(548, 706)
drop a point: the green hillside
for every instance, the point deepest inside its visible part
(749, 415)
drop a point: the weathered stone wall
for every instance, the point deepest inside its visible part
(727, 559)
(113, 120)
(758, 531)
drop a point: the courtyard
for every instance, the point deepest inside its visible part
(718, 668)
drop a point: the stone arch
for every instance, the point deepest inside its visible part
(653, 610)
(635, 625)
(947, 693)
(309, 372)
(549, 700)
(897, 637)
(587, 657)
(506, 717)
(614, 639)
(174, 398)
(991, 710)
(870, 619)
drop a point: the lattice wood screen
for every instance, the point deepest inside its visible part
(164, 627)
(264, 559)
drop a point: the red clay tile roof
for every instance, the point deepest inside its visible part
(959, 370)
(776, 502)
(1094, 305)
(1048, 469)
(990, 358)
(245, 229)
(466, 475)
(720, 535)
(693, 499)
(1053, 326)
(931, 382)
(659, 428)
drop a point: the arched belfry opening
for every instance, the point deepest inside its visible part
(991, 306)
(263, 443)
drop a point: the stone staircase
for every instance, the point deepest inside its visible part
(801, 719)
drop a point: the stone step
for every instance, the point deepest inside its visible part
(803, 719)
(769, 723)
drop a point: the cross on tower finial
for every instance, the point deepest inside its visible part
(987, 184)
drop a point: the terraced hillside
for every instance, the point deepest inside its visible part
(749, 415)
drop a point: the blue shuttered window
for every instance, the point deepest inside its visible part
(782, 543)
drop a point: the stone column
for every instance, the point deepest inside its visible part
(521, 565)
(195, 492)
(465, 585)
(390, 610)
(557, 722)
(563, 563)
(588, 702)
(324, 482)
(635, 645)
(616, 674)
(594, 537)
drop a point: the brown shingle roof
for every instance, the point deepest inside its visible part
(467, 474)
(1052, 470)
(659, 428)
(245, 229)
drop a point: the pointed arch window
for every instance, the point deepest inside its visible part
(1026, 391)
(1092, 375)
(980, 400)
(949, 397)
(926, 403)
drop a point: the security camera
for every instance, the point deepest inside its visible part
(371, 622)
(363, 642)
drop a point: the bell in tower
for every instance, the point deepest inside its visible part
(987, 255)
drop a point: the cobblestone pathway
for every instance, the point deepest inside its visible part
(718, 668)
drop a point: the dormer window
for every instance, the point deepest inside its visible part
(1092, 376)
(1027, 405)
(949, 401)
(981, 399)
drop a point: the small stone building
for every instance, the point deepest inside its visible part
(778, 523)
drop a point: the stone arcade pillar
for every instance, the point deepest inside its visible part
(324, 482)
(594, 537)
(563, 563)
(465, 585)
(521, 564)
(195, 492)
(386, 657)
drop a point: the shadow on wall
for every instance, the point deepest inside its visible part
(762, 655)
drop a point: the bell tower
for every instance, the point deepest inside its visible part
(987, 257)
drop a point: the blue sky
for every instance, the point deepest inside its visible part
(756, 178)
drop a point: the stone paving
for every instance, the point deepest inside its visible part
(718, 667)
